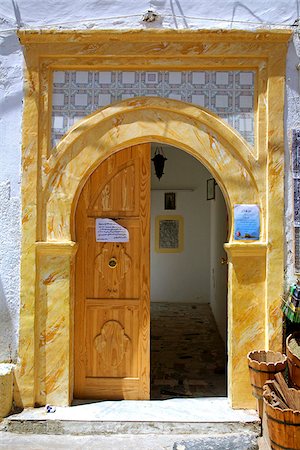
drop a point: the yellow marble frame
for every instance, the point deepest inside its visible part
(53, 178)
(180, 247)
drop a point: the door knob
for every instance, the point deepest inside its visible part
(223, 261)
(112, 263)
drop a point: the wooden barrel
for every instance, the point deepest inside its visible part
(293, 355)
(263, 365)
(283, 426)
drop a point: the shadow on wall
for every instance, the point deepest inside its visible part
(242, 6)
(6, 327)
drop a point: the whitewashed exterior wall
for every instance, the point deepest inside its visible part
(103, 14)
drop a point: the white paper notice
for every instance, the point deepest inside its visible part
(107, 230)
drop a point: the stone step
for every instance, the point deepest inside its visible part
(203, 416)
(232, 441)
(104, 427)
(240, 441)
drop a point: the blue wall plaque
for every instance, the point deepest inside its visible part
(246, 222)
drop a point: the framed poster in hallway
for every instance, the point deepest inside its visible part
(169, 234)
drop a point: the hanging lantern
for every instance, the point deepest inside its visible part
(159, 162)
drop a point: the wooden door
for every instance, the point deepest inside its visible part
(112, 301)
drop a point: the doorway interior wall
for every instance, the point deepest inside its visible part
(53, 178)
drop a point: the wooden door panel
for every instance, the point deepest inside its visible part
(118, 388)
(104, 281)
(112, 340)
(112, 303)
(115, 187)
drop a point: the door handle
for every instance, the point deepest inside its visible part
(112, 263)
(223, 261)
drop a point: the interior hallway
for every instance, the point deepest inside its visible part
(187, 352)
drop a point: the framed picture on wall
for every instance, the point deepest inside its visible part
(210, 189)
(169, 234)
(170, 200)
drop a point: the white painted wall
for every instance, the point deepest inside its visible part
(188, 14)
(103, 14)
(184, 276)
(11, 94)
(218, 272)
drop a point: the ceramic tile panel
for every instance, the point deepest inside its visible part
(230, 94)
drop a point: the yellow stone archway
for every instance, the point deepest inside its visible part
(220, 149)
(52, 181)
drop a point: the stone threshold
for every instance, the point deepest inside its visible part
(201, 415)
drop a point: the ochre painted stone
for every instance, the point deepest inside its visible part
(53, 178)
(6, 389)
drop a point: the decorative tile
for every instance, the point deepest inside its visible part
(104, 79)
(244, 80)
(296, 153)
(60, 99)
(175, 78)
(243, 101)
(82, 79)
(149, 79)
(126, 95)
(199, 99)
(175, 96)
(297, 249)
(61, 79)
(222, 80)
(57, 122)
(297, 202)
(230, 94)
(128, 80)
(244, 123)
(296, 177)
(222, 101)
(199, 80)
(81, 99)
(104, 99)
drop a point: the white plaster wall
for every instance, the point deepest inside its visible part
(103, 14)
(189, 14)
(11, 94)
(218, 272)
(9, 272)
(182, 277)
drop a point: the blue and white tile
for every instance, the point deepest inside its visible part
(81, 99)
(105, 79)
(222, 101)
(128, 80)
(61, 79)
(222, 80)
(199, 79)
(82, 79)
(244, 101)
(149, 80)
(228, 93)
(244, 80)
(60, 99)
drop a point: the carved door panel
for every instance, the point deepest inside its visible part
(112, 310)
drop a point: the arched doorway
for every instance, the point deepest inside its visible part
(188, 273)
(231, 162)
(112, 280)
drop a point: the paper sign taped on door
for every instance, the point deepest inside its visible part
(107, 230)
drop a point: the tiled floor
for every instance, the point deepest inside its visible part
(187, 352)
